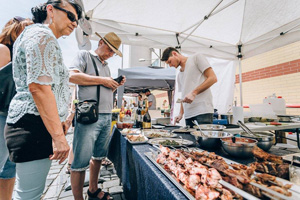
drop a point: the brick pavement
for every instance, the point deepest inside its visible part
(58, 181)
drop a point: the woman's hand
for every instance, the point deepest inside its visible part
(60, 149)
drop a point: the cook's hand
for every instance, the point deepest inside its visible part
(123, 81)
(60, 149)
(189, 98)
(177, 119)
(110, 83)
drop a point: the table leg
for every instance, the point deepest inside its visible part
(276, 140)
(297, 133)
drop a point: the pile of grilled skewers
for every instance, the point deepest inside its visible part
(200, 174)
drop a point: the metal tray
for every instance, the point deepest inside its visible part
(139, 142)
(184, 130)
(210, 127)
(182, 142)
(163, 135)
(150, 155)
(293, 189)
(135, 131)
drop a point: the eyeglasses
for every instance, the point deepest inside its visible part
(70, 15)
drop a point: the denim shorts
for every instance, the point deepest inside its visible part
(7, 168)
(91, 141)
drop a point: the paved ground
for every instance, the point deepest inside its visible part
(58, 181)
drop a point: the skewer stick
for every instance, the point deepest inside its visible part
(276, 194)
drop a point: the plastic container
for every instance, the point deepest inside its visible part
(291, 136)
(278, 104)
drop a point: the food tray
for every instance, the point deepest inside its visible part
(162, 135)
(295, 187)
(184, 130)
(133, 131)
(139, 142)
(150, 156)
(182, 142)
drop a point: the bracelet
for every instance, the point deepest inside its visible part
(72, 111)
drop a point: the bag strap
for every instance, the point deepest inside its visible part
(97, 73)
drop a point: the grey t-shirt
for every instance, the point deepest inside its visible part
(83, 63)
(151, 98)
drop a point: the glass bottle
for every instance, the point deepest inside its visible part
(139, 118)
(294, 170)
(147, 118)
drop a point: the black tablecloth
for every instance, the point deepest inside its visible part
(143, 180)
(140, 178)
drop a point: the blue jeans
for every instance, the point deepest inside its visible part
(201, 119)
(31, 179)
(7, 168)
(91, 141)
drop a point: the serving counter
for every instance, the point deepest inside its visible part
(140, 177)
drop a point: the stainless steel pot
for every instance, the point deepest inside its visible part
(211, 140)
(264, 141)
(210, 127)
(242, 147)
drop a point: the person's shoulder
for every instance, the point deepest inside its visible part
(83, 54)
(4, 49)
(4, 55)
(38, 32)
(198, 55)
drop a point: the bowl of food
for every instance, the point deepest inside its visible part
(210, 139)
(128, 124)
(264, 139)
(238, 146)
(210, 127)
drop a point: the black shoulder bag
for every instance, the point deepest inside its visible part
(7, 87)
(87, 110)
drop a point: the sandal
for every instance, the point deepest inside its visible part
(106, 162)
(94, 196)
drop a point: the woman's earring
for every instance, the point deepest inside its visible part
(51, 21)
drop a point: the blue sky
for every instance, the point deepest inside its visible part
(11, 8)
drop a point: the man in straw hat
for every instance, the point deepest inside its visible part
(90, 142)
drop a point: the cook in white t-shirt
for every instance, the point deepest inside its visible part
(194, 81)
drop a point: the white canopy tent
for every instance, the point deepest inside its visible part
(227, 29)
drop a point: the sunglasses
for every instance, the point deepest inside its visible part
(70, 15)
(18, 19)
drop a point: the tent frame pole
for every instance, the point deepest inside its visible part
(240, 79)
(240, 56)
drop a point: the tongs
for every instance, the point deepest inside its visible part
(200, 130)
(246, 129)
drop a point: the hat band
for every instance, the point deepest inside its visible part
(110, 43)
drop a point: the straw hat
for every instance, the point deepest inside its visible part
(113, 41)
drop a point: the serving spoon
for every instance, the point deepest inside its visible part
(246, 129)
(200, 130)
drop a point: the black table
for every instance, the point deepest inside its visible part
(141, 179)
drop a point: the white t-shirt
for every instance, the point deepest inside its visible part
(191, 78)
